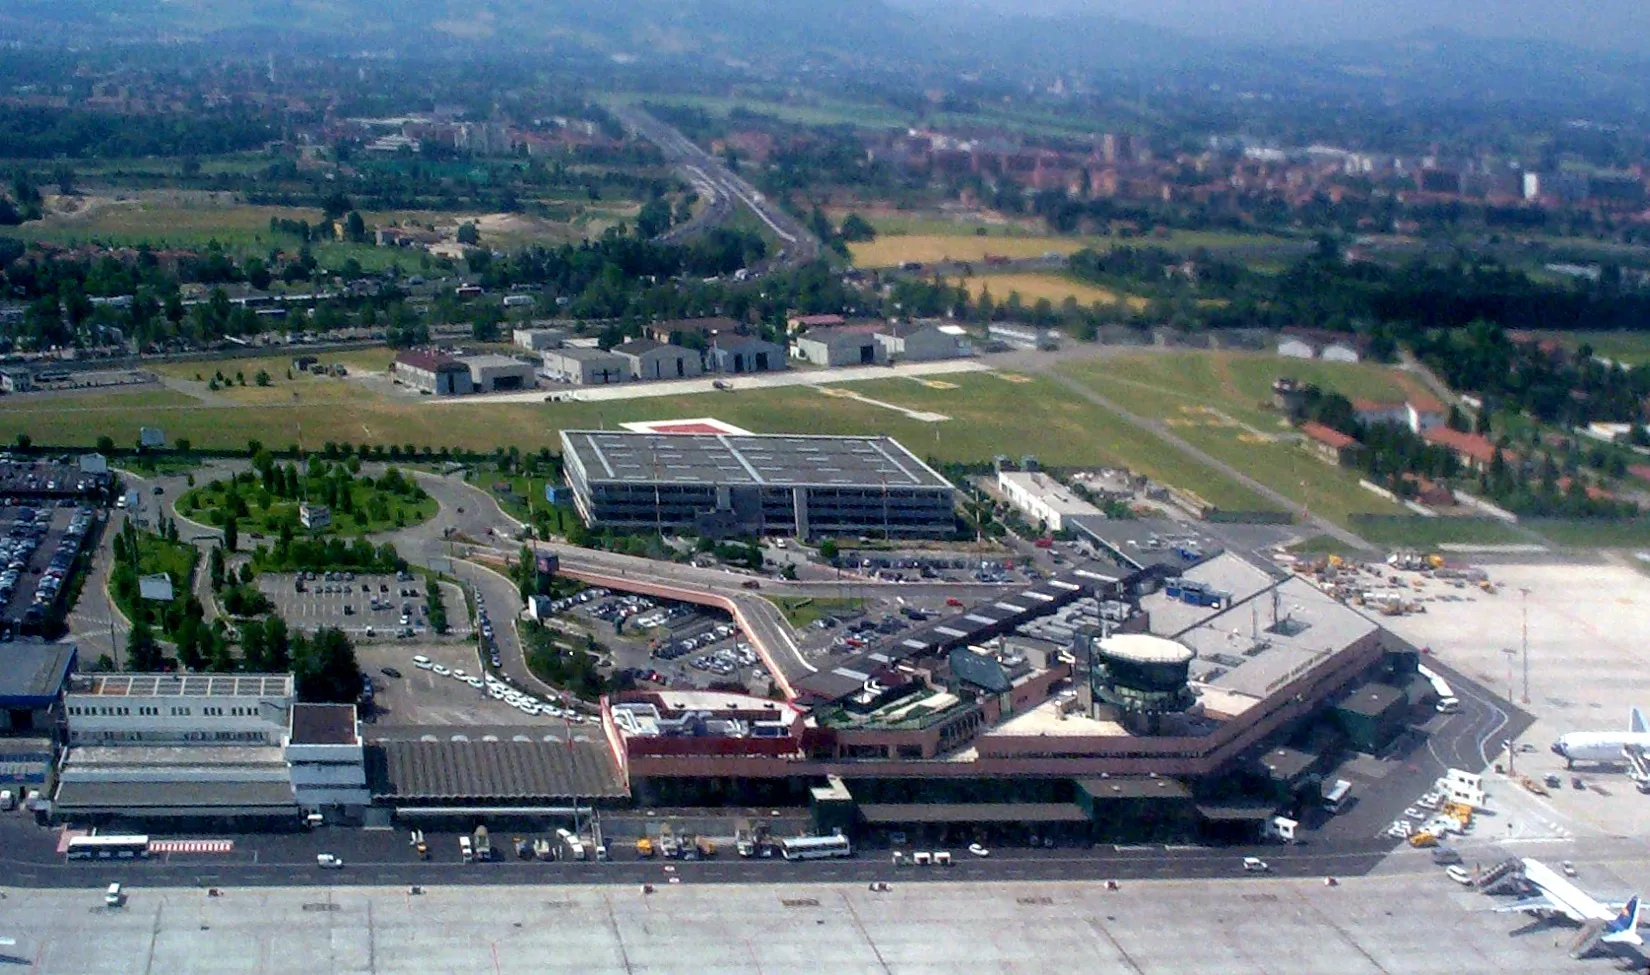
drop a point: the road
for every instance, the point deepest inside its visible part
(711, 177)
(1161, 430)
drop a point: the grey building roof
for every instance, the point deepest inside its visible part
(156, 588)
(32, 673)
(638, 347)
(582, 355)
(980, 670)
(447, 771)
(491, 360)
(643, 458)
(323, 724)
(177, 798)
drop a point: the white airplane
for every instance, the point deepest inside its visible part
(1604, 746)
(1557, 897)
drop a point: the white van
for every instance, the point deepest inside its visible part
(112, 897)
(8, 801)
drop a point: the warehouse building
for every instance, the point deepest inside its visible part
(539, 339)
(919, 342)
(739, 354)
(650, 360)
(842, 345)
(498, 374)
(723, 484)
(1043, 500)
(432, 372)
(586, 367)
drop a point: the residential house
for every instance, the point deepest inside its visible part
(842, 345)
(919, 342)
(650, 359)
(1424, 413)
(1471, 449)
(1372, 412)
(678, 329)
(736, 354)
(1330, 444)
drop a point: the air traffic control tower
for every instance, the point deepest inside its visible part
(1140, 678)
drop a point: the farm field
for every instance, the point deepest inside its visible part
(1055, 287)
(813, 111)
(936, 237)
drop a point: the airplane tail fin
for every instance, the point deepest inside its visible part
(1625, 927)
(1636, 724)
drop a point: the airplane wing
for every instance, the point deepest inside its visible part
(1564, 897)
(1539, 904)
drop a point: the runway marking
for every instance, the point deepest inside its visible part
(191, 846)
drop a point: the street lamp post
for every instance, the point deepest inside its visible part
(1524, 606)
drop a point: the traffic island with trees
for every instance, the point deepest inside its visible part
(268, 500)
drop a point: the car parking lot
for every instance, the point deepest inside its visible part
(444, 685)
(37, 553)
(369, 605)
(664, 642)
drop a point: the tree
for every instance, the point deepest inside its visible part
(355, 229)
(142, 652)
(856, 229)
(262, 378)
(277, 646)
(105, 444)
(469, 234)
(231, 533)
(828, 549)
(325, 667)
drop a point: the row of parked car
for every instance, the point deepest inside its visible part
(28, 529)
(686, 645)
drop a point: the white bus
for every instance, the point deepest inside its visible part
(815, 847)
(1336, 795)
(1448, 703)
(108, 847)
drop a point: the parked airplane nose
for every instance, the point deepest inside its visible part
(1558, 749)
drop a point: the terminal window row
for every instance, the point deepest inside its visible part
(177, 711)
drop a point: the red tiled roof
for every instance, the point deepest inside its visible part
(1472, 445)
(1327, 435)
(1426, 404)
(1375, 405)
(427, 361)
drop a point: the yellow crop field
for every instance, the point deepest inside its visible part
(934, 248)
(1055, 287)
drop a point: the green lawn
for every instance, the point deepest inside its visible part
(1214, 401)
(1417, 532)
(802, 611)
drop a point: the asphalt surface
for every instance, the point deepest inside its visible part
(713, 178)
(29, 858)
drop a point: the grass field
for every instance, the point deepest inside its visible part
(1215, 401)
(193, 220)
(801, 611)
(286, 385)
(989, 417)
(1430, 532)
(1055, 287)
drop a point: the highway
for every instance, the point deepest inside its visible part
(714, 181)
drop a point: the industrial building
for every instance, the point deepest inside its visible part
(538, 339)
(722, 484)
(841, 345)
(651, 360)
(497, 373)
(739, 354)
(432, 372)
(585, 367)
(324, 752)
(196, 748)
(1041, 499)
(919, 342)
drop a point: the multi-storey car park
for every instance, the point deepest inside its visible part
(786, 484)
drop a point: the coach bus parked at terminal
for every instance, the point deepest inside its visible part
(108, 847)
(815, 847)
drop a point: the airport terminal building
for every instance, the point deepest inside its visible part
(719, 484)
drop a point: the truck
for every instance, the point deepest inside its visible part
(705, 846)
(572, 847)
(524, 849)
(483, 845)
(644, 848)
(541, 849)
(465, 850)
